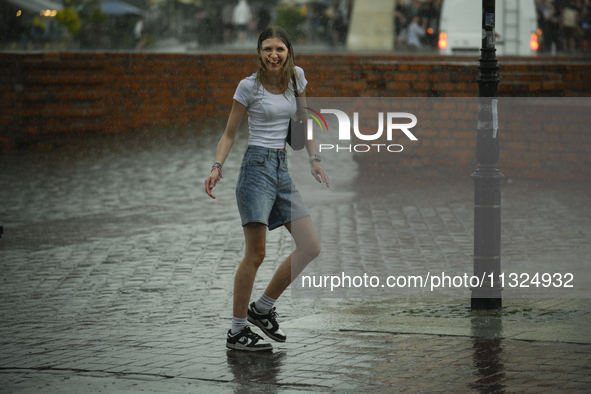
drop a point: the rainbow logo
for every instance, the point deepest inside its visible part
(315, 115)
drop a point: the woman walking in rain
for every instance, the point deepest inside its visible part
(264, 191)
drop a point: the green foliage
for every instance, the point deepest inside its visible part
(291, 19)
(97, 28)
(150, 40)
(97, 16)
(68, 16)
(90, 12)
(124, 41)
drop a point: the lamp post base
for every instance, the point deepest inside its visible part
(486, 304)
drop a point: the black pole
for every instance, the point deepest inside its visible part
(487, 178)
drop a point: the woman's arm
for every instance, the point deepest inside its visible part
(225, 144)
(317, 171)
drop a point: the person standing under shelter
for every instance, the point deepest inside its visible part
(570, 28)
(137, 33)
(241, 18)
(415, 32)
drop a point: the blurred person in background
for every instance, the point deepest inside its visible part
(543, 13)
(586, 26)
(570, 25)
(340, 21)
(400, 24)
(555, 36)
(416, 30)
(316, 24)
(549, 23)
(213, 27)
(139, 40)
(242, 18)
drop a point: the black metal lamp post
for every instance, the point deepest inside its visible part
(487, 178)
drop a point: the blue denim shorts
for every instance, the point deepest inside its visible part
(264, 192)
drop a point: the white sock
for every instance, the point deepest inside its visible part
(264, 304)
(238, 324)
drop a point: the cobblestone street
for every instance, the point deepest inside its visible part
(116, 276)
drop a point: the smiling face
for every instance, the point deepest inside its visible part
(274, 54)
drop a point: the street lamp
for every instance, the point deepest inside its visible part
(487, 178)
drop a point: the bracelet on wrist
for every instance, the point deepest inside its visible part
(315, 157)
(219, 167)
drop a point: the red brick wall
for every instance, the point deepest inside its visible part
(54, 96)
(539, 138)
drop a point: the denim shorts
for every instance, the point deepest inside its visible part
(264, 192)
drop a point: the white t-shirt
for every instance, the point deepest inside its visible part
(569, 17)
(241, 14)
(137, 30)
(268, 113)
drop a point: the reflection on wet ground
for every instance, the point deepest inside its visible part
(252, 367)
(488, 351)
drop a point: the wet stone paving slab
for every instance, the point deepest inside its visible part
(311, 361)
(116, 275)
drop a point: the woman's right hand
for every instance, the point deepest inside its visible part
(226, 142)
(211, 181)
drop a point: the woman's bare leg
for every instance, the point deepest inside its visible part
(307, 249)
(255, 237)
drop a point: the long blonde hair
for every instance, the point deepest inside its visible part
(288, 68)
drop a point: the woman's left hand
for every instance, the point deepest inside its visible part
(318, 173)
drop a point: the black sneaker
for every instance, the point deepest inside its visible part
(266, 322)
(247, 340)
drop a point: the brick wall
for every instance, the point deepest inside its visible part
(539, 138)
(49, 97)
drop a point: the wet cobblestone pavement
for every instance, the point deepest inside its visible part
(116, 275)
